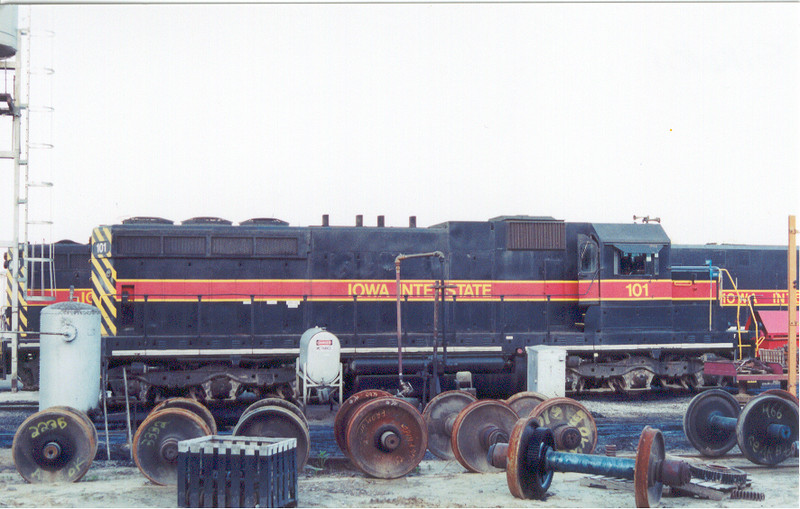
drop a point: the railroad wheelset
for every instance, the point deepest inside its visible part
(440, 414)
(476, 428)
(572, 424)
(57, 444)
(155, 444)
(384, 436)
(783, 394)
(765, 430)
(193, 406)
(524, 402)
(530, 460)
(276, 418)
(480, 425)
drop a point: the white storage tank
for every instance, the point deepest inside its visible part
(319, 355)
(8, 31)
(69, 356)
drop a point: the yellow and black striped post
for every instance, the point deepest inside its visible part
(104, 280)
(21, 292)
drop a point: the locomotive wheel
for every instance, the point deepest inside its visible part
(439, 415)
(155, 445)
(193, 406)
(649, 456)
(573, 426)
(387, 438)
(276, 422)
(526, 474)
(708, 439)
(751, 429)
(54, 445)
(347, 409)
(524, 402)
(783, 394)
(478, 427)
(288, 405)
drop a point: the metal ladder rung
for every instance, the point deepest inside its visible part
(45, 223)
(39, 259)
(40, 184)
(40, 298)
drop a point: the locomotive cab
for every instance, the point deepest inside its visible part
(626, 304)
(629, 282)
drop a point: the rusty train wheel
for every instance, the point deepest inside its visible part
(649, 456)
(193, 406)
(347, 409)
(54, 445)
(476, 428)
(439, 415)
(524, 402)
(781, 393)
(752, 429)
(288, 405)
(386, 438)
(276, 422)
(155, 445)
(85, 418)
(526, 474)
(572, 424)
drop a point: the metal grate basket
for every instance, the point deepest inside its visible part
(776, 356)
(217, 471)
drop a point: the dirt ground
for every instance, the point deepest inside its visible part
(331, 481)
(435, 483)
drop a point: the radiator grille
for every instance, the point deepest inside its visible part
(134, 245)
(185, 245)
(232, 246)
(534, 235)
(276, 246)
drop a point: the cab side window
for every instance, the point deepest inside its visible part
(587, 255)
(632, 263)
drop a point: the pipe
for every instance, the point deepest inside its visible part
(492, 363)
(404, 387)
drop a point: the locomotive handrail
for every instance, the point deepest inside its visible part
(740, 345)
(711, 269)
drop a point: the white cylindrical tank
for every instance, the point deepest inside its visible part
(8, 31)
(69, 359)
(319, 355)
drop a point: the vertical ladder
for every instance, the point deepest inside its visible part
(39, 273)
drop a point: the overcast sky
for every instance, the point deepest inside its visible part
(447, 112)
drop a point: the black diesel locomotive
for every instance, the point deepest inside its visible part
(215, 309)
(211, 309)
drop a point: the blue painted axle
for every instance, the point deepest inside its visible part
(585, 464)
(774, 431)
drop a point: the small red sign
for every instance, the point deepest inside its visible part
(324, 342)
